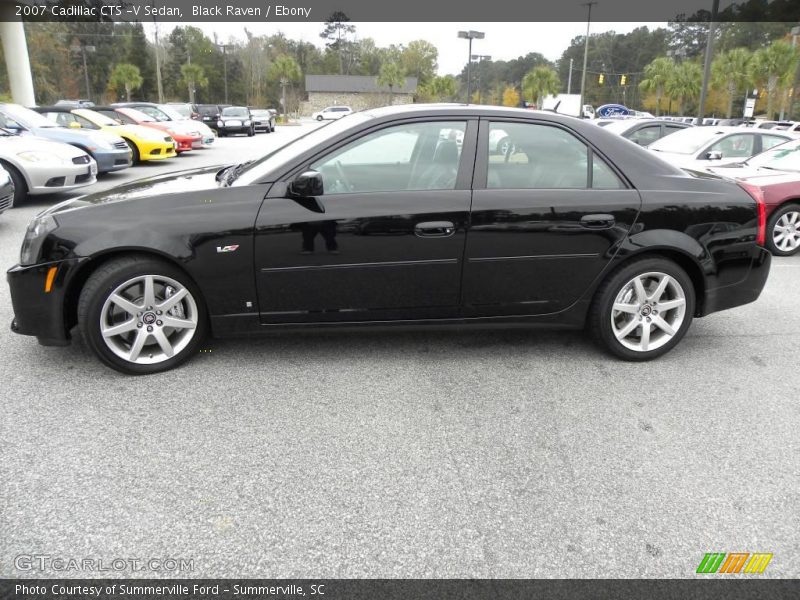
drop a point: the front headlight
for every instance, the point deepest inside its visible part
(34, 238)
(38, 156)
(220, 123)
(246, 123)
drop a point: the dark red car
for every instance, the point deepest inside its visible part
(774, 177)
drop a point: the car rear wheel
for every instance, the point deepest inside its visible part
(20, 187)
(319, 118)
(644, 309)
(141, 315)
(783, 231)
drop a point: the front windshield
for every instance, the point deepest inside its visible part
(234, 111)
(171, 113)
(26, 117)
(96, 118)
(138, 115)
(685, 141)
(285, 155)
(785, 157)
(182, 109)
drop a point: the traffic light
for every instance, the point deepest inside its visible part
(601, 79)
(623, 79)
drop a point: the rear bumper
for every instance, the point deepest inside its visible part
(745, 291)
(36, 312)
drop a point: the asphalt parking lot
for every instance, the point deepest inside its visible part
(406, 454)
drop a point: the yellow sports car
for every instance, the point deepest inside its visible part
(145, 143)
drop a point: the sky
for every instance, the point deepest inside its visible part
(503, 41)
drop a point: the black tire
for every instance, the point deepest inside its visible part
(251, 132)
(319, 118)
(20, 186)
(600, 313)
(222, 134)
(773, 220)
(102, 283)
(135, 156)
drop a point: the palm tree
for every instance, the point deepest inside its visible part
(685, 84)
(731, 72)
(193, 77)
(438, 89)
(774, 67)
(127, 76)
(539, 82)
(391, 75)
(286, 71)
(656, 76)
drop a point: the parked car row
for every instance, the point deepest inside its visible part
(59, 148)
(226, 119)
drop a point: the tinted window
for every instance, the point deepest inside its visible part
(646, 135)
(413, 156)
(532, 156)
(153, 112)
(739, 145)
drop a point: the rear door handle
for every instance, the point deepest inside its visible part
(597, 221)
(434, 229)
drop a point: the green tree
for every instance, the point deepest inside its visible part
(773, 67)
(539, 82)
(391, 75)
(730, 72)
(285, 71)
(685, 84)
(193, 77)
(657, 75)
(419, 60)
(125, 76)
(337, 34)
(438, 89)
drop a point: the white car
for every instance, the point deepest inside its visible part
(39, 166)
(6, 190)
(644, 131)
(190, 126)
(332, 112)
(700, 147)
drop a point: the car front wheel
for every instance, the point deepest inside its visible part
(783, 231)
(140, 315)
(644, 309)
(319, 118)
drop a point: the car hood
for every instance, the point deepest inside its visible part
(757, 175)
(13, 145)
(72, 136)
(172, 183)
(137, 131)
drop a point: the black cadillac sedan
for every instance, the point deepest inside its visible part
(396, 216)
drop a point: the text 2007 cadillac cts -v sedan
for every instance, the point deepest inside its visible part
(398, 215)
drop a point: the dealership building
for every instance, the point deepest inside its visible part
(356, 91)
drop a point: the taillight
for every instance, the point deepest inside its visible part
(758, 195)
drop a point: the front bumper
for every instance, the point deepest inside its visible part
(113, 160)
(234, 128)
(157, 150)
(184, 143)
(6, 196)
(36, 312)
(745, 291)
(49, 179)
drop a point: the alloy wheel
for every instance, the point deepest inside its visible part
(648, 311)
(786, 233)
(148, 319)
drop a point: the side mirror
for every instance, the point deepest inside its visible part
(74, 125)
(307, 185)
(714, 155)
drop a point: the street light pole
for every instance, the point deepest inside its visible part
(701, 109)
(586, 54)
(470, 35)
(480, 58)
(569, 79)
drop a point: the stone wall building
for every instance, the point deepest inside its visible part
(356, 91)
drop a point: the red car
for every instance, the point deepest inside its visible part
(774, 177)
(183, 142)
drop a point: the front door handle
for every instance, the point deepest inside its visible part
(597, 221)
(434, 229)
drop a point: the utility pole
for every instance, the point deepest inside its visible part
(701, 109)
(569, 79)
(480, 58)
(585, 55)
(159, 84)
(224, 48)
(793, 91)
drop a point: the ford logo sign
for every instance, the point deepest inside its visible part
(613, 110)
